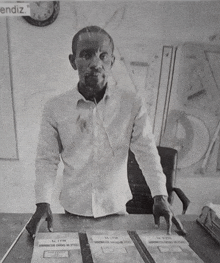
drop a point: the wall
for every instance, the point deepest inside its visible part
(40, 69)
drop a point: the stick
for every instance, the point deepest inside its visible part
(12, 245)
(202, 169)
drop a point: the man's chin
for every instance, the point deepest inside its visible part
(93, 78)
(95, 83)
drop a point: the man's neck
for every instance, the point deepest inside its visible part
(96, 98)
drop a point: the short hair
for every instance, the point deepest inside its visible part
(90, 29)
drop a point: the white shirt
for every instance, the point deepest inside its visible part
(93, 142)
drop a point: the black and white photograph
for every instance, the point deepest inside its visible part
(110, 131)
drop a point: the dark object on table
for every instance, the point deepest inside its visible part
(209, 219)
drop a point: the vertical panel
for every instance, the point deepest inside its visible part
(213, 59)
(8, 144)
(163, 92)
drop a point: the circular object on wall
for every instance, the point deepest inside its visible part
(188, 135)
(179, 133)
(43, 13)
(199, 145)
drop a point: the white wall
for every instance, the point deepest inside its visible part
(40, 69)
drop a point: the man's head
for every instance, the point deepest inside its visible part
(93, 57)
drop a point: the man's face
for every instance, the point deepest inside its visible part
(93, 60)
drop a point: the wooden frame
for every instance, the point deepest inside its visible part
(8, 137)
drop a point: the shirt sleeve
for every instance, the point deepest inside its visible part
(144, 147)
(48, 156)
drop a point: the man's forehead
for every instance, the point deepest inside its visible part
(93, 39)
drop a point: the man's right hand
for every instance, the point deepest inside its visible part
(42, 213)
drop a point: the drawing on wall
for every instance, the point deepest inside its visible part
(195, 109)
(213, 59)
(8, 142)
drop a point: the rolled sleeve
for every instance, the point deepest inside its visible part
(48, 156)
(144, 147)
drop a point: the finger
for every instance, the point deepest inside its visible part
(157, 220)
(32, 225)
(50, 223)
(178, 225)
(30, 228)
(168, 218)
(38, 227)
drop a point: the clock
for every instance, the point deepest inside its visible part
(43, 13)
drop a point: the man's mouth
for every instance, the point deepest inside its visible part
(93, 74)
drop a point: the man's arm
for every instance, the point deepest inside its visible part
(48, 155)
(144, 147)
(47, 160)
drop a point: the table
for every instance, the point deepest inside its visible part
(11, 225)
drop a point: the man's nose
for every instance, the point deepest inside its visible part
(96, 62)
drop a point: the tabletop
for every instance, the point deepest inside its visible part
(12, 224)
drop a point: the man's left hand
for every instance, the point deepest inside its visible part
(162, 207)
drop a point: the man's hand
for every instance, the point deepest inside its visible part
(161, 207)
(42, 213)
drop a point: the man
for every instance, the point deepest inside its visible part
(91, 127)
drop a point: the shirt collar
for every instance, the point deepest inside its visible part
(80, 99)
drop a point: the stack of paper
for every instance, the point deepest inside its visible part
(111, 247)
(169, 249)
(56, 247)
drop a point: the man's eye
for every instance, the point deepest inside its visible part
(86, 55)
(104, 56)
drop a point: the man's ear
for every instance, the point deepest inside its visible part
(113, 60)
(72, 60)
